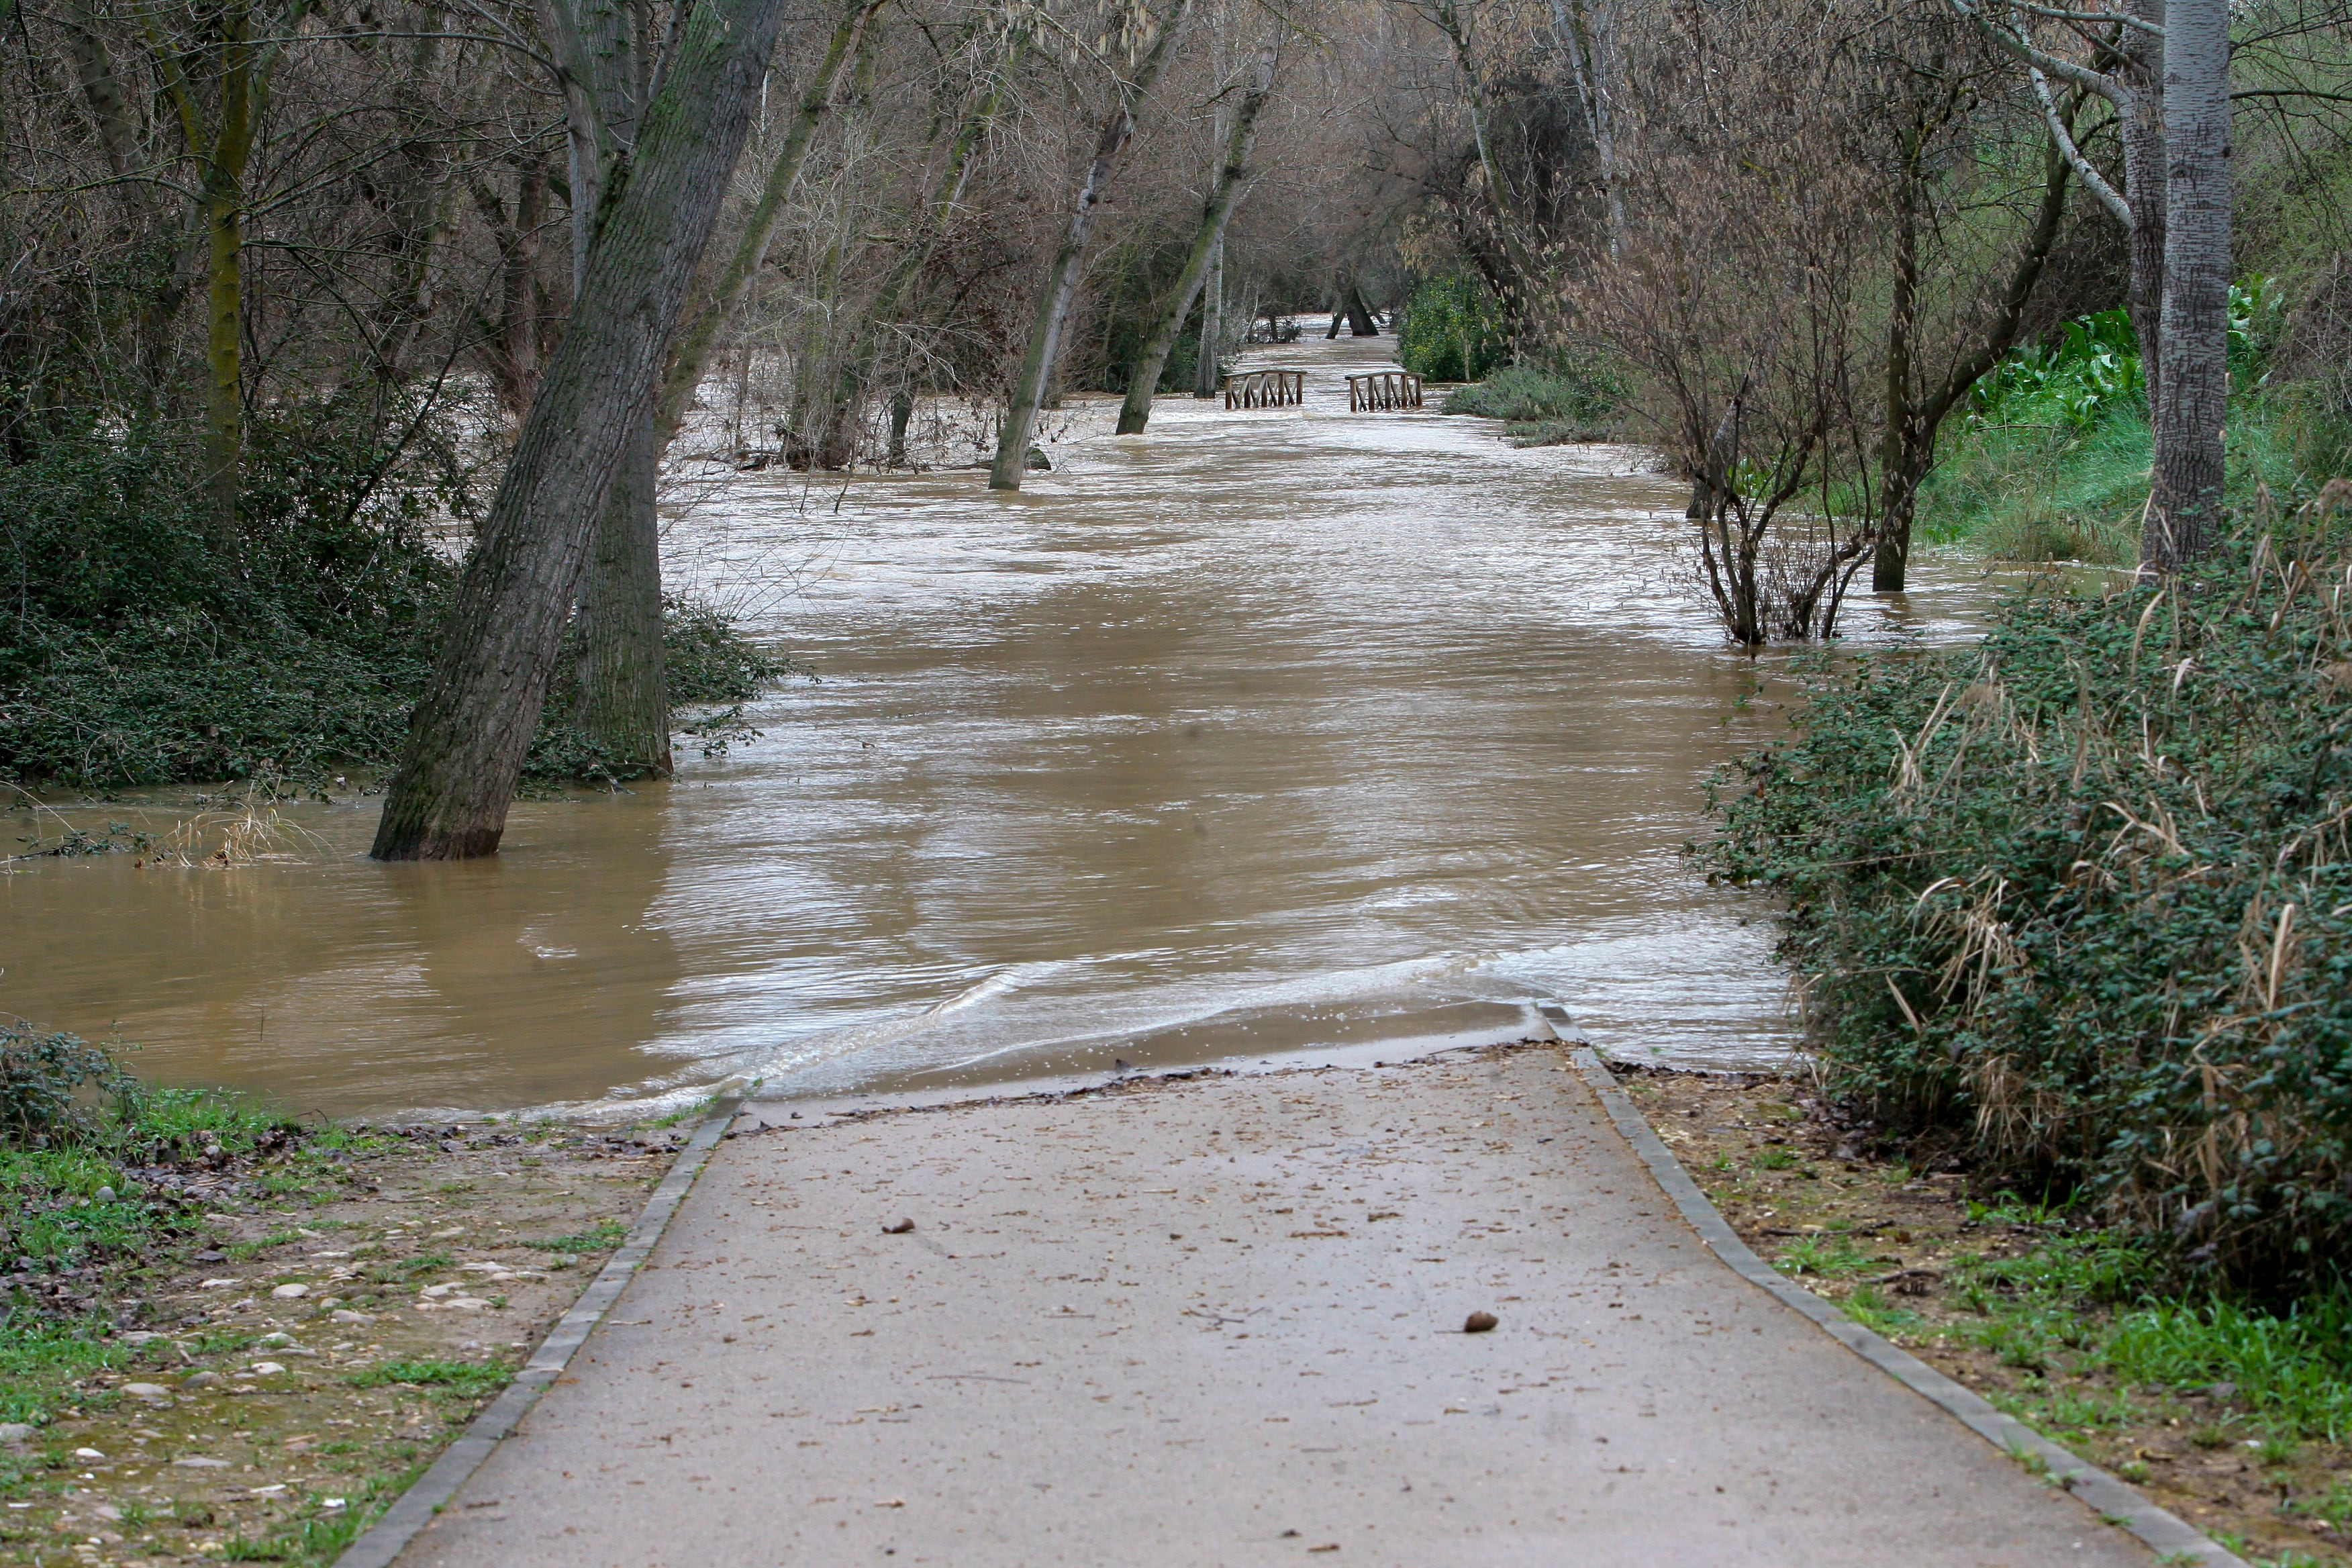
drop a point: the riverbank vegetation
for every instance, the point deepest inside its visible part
(2235, 1414)
(228, 1333)
(2071, 899)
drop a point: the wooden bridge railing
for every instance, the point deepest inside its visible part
(1383, 389)
(1266, 389)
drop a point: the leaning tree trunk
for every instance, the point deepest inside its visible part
(1361, 323)
(471, 732)
(1061, 289)
(1207, 241)
(2184, 514)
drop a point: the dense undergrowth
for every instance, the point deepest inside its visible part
(139, 648)
(2051, 460)
(2078, 897)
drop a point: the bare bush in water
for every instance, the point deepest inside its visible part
(1742, 295)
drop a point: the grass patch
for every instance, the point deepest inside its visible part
(1830, 1258)
(467, 1379)
(322, 1535)
(597, 1237)
(80, 1217)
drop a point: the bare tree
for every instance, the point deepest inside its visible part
(466, 745)
(1135, 413)
(1059, 291)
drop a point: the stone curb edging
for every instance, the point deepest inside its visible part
(2171, 1539)
(390, 1535)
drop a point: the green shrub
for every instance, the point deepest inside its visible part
(1574, 400)
(135, 653)
(2081, 894)
(1452, 330)
(46, 1080)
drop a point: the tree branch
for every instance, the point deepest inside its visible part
(2109, 197)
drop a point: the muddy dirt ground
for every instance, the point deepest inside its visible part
(311, 1353)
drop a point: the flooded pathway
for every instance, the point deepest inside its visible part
(1263, 730)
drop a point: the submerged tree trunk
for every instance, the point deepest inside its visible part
(1360, 323)
(471, 732)
(1061, 286)
(2184, 514)
(1208, 241)
(623, 683)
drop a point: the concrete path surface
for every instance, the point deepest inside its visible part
(1220, 1322)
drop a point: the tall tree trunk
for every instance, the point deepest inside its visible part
(511, 342)
(1899, 440)
(2184, 514)
(691, 355)
(223, 356)
(1587, 36)
(608, 52)
(102, 92)
(243, 68)
(1207, 240)
(2141, 112)
(471, 729)
(1362, 324)
(1061, 285)
(623, 685)
(1205, 363)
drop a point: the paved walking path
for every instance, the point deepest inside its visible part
(1219, 1323)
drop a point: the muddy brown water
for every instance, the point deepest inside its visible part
(1263, 730)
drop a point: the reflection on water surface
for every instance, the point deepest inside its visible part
(1262, 730)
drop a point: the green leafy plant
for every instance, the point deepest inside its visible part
(54, 1087)
(1453, 330)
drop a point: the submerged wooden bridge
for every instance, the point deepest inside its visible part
(1371, 392)
(1266, 389)
(1382, 390)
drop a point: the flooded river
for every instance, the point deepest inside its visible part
(1263, 730)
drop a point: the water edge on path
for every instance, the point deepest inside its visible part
(1262, 730)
